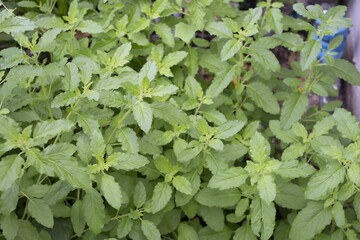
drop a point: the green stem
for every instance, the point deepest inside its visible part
(116, 128)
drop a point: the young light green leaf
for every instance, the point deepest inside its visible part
(230, 48)
(185, 31)
(259, 148)
(97, 145)
(182, 184)
(143, 115)
(267, 188)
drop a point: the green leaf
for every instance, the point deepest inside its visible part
(162, 90)
(290, 196)
(354, 173)
(267, 188)
(139, 195)
(42, 213)
(128, 139)
(213, 217)
(124, 226)
(64, 99)
(300, 9)
(244, 233)
(314, 218)
(229, 178)
(309, 53)
(294, 169)
(111, 191)
(97, 145)
(346, 124)
(10, 169)
(322, 127)
(338, 214)
(292, 110)
(94, 211)
(77, 218)
(218, 198)
(143, 115)
(208, 234)
(334, 43)
(280, 133)
(46, 130)
(220, 82)
(325, 180)
(161, 196)
(263, 97)
(120, 56)
(186, 232)
(262, 217)
(88, 26)
(346, 71)
(294, 151)
(264, 57)
(182, 184)
(9, 128)
(259, 148)
(230, 48)
(219, 29)
(169, 113)
(170, 60)
(274, 16)
(228, 129)
(72, 77)
(10, 226)
(149, 70)
(185, 32)
(16, 24)
(150, 230)
(165, 33)
(126, 161)
(241, 207)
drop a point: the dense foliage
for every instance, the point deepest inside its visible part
(173, 120)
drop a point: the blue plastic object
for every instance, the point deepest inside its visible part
(340, 50)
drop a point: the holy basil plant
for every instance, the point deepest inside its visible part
(174, 120)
